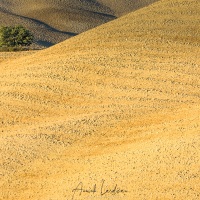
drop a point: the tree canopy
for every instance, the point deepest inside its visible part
(15, 36)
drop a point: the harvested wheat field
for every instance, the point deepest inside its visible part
(112, 113)
(9, 56)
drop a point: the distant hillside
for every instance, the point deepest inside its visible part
(53, 21)
(66, 15)
(44, 34)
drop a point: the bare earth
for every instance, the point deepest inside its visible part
(110, 114)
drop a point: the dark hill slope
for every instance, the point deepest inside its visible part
(53, 21)
(44, 34)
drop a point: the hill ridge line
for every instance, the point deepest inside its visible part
(38, 21)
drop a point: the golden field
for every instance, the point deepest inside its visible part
(112, 113)
(10, 56)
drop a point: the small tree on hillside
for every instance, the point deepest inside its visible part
(15, 36)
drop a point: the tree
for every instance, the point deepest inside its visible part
(15, 36)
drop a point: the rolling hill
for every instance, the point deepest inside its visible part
(112, 113)
(44, 35)
(54, 21)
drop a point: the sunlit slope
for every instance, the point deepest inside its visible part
(119, 103)
(120, 7)
(9, 56)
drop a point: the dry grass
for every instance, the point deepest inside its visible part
(119, 103)
(9, 56)
(121, 7)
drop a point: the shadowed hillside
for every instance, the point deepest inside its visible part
(44, 35)
(66, 15)
(53, 21)
(118, 104)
